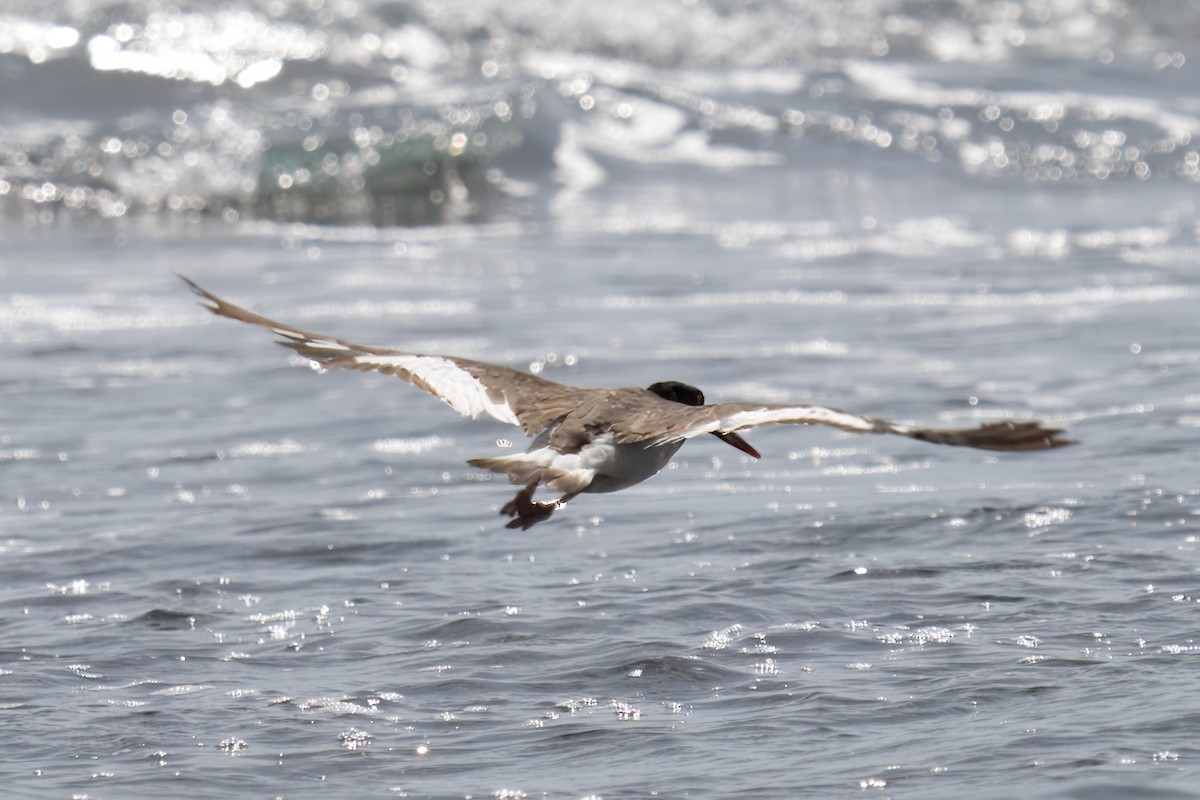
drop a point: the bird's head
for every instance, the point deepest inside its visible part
(678, 392)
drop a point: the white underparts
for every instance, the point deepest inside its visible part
(602, 465)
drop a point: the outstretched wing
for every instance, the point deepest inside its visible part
(469, 387)
(719, 418)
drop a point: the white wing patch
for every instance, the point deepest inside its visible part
(753, 418)
(460, 390)
(796, 414)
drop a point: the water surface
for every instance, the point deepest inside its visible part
(223, 573)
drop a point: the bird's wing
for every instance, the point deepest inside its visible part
(469, 387)
(688, 421)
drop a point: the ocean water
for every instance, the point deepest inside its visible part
(223, 574)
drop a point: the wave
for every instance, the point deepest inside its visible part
(425, 114)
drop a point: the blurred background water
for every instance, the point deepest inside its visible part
(224, 575)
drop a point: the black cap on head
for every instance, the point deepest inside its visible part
(691, 396)
(678, 392)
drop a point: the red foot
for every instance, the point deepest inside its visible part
(527, 512)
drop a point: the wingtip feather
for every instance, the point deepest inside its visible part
(1005, 436)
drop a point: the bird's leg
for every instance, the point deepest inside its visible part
(528, 513)
(523, 503)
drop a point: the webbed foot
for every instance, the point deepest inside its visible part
(526, 511)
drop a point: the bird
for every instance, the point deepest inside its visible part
(599, 440)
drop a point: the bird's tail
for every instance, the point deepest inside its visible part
(524, 468)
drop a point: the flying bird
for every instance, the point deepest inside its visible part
(599, 440)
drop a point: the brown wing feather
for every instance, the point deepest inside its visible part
(633, 415)
(685, 422)
(534, 402)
